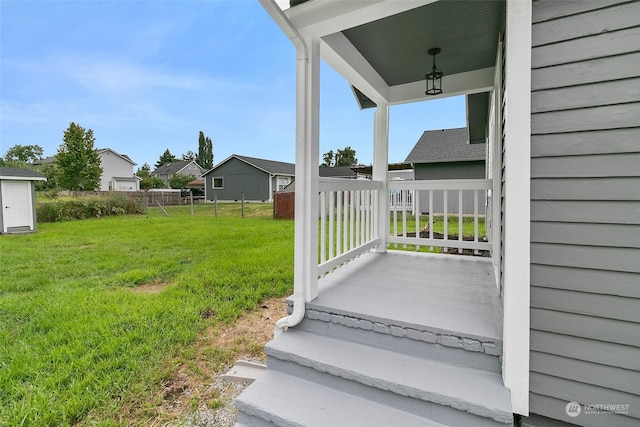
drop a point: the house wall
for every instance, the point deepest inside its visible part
(457, 170)
(191, 169)
(113, 166)
(238, 177)
(585, 210)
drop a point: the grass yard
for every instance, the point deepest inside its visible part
(79, 342)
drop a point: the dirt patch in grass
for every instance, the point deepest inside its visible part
(192, 385)
(150, 288)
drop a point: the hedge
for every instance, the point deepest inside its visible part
(87, 207)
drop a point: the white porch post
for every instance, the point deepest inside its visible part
(517, 158)
(307, 154)
(379, 171)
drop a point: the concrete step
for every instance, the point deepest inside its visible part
(299, 403)
(438, 346)
(452, 395)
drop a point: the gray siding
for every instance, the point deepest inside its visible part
(238, 177)
(457, 170)
(585, 209)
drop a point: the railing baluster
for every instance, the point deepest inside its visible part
(475, 219)
(404, 215)
(323, 227)
(352, 220)
(446, 217)
(395, 217)
(416, 213)
(367, 224)
(331, 223)
(431, 217)
(345, 232)
(358, 217)
(338, 223)
(460, 218)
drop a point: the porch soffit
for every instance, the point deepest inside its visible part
(381, 45)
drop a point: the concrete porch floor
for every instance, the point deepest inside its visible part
(417, 290)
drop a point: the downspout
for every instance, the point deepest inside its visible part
(302, 62)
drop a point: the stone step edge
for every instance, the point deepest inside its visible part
(490, 347)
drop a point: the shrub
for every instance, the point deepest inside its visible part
(86, 207)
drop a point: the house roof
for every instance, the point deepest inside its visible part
(269, 166)
(21, 174)
(337, 171)
(173, 167)
(446, 145)
(123, 156)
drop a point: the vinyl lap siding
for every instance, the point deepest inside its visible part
(585, 209)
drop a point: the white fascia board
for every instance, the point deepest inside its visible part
(342, 56)
(22, 178)
(476, 81)
(323, 17)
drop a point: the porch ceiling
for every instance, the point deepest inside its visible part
(396, 46)
(380, 46)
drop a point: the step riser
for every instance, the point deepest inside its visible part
(430, 346)
(392, 397)
(245, 420)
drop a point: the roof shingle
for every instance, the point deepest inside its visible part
(446, 145)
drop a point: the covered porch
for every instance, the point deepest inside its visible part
(351, 292)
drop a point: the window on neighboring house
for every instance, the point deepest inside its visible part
(218, 182)
(283, 182)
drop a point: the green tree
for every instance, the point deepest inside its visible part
(144, 171)
(328, 159)
(189, 156)
(78, 161)
(165, 158)
(20, 155)
(180, 181)
(346, 157)
(150, 182)
(50, 171)
(205, 152)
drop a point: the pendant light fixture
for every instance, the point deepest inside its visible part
(434, 77)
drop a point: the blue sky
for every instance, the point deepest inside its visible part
(149, 75)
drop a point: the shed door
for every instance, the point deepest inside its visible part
(16, 204)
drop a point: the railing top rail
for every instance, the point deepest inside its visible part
(342, 184)
(440, 184)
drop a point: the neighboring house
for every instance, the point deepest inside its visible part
(180, 167)
(117, 172)
(18, 199)
(256, 178)
(545, 332)
(447, 154)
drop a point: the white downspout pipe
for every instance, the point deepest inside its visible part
(302, 64)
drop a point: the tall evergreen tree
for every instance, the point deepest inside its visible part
(166, 157)
(205, 151)
(78, 161)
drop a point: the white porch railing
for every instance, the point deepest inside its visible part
(415, 191)
(348, 220)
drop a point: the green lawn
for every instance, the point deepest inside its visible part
(76, 342)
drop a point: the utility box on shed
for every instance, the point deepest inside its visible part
(18, 199)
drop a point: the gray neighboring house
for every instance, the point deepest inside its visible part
(447, 154)
(18, 199)
(257, 178)
(180, 167)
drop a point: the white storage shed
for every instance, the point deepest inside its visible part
(17, 199)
